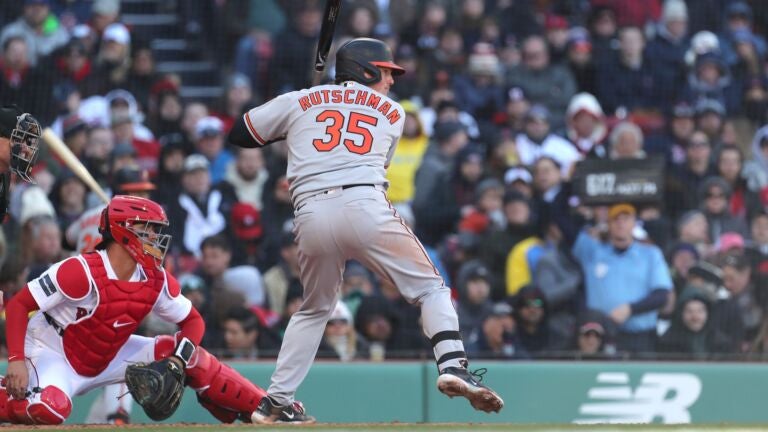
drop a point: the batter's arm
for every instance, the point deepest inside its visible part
(240, 136)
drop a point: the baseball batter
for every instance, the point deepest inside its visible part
(89, 307)
(341, 138)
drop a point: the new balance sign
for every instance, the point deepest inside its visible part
(659, 397)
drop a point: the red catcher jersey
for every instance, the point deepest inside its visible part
(88, 297)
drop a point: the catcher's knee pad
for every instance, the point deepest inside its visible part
(51, 406)
(221, 389)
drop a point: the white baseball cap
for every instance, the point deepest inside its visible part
(117, 32)
(517, 173)
(195, 162)
(209, 126)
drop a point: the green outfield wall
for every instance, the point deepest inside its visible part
(560, 392)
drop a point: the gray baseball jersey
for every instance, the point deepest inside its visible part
(336, 135)
(344, 135)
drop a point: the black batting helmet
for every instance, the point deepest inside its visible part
(129, 180)
(361, 55)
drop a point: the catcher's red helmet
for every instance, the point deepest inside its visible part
(137, 225)
(364, 55)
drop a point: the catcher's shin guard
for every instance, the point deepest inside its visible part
(220, 389)
(51, 406)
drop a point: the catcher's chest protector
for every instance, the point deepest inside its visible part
(90, 344)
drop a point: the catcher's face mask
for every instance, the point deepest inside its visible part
(25, 143)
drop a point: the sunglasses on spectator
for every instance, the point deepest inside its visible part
(537, 303)
(591, 333)
(337, 322)
(715, 195)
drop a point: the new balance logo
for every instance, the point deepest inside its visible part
(659, 396)
(118, 324)
(47, 285)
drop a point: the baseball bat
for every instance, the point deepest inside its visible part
(332, 8)
(73, 163)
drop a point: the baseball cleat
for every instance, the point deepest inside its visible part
(455, 381)
(269, 412)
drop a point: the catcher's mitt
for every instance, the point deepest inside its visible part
(156, 386)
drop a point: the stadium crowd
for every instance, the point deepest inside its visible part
(503, 99)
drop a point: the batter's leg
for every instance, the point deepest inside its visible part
(321, 277)
(397, 255)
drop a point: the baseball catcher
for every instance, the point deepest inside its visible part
(81, 336)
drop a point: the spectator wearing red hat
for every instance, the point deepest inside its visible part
(165, 108)
(248, 232)
(556, 33)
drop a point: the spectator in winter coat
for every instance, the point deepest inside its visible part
(479, 92)
(499, 338)
(532, 319)
(585, 125)
(544, 83)
(538, 140)
(715, 194)
(668, 48)
(744, 203)
(693, 334)
(474, 303)
(434, 204)
(628, 79)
